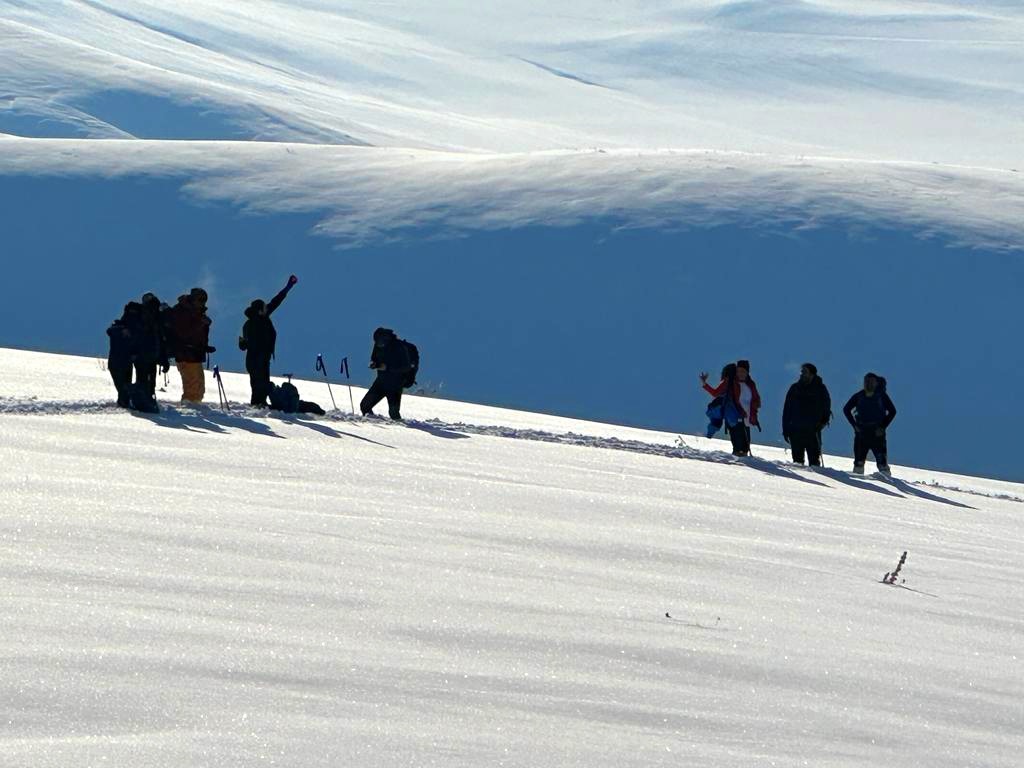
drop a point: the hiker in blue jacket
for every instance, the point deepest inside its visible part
(870, 412)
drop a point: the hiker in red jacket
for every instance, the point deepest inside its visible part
(741, 391)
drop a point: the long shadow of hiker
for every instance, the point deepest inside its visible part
(204, 419)
(323, 429)
(435, 430)
(911, 490)
(771, 468)
(863, 485)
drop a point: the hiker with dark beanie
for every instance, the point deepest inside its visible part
(390, 359)
(259, 341)
(189, 327)
(870, 412)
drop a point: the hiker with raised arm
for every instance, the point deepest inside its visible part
(259, 342)
(807, 411)
(870, 412)
(740, 402)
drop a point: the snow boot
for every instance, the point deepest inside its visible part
(858, 469)
(884, 469)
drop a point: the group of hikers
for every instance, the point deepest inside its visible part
(807, 411)
(150, 333)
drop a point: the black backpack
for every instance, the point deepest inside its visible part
(284, 398)
(414, 361)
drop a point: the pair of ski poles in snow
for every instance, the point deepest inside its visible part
(322, 368)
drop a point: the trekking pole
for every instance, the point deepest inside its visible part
(344, 370)
(221, 394)
(821, 451)
(321, 367)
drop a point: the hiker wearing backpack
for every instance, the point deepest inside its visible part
(259, 340)
(396, 362)
(189, 328)
(870, 412)
(740, 402)
(807, 411)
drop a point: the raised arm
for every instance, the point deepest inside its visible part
(275, 302)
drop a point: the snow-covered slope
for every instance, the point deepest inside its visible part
(481, 587)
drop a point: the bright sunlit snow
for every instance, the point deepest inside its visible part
(481, 587)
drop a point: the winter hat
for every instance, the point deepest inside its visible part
(382, 334)
(811, 367)
(198, 294)
(745, 364)
(870, 375)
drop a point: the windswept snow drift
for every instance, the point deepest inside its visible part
(481, 587)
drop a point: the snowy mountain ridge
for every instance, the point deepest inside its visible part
(481, 587)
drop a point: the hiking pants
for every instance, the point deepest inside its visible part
(258, 367)
(121, 374)
(806, 442)
(145, 376)
(866, 440)
(193, 382)
(740, 437)
(378, 392)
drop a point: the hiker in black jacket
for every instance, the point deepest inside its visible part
(124, 333)
(807, 411)
(870, 412)
(258, 341)
(151, 344)
(390, 359)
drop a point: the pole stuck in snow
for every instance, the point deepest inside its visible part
(221, 394)
(320, 367)
(344, 372)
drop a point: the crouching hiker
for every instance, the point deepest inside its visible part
(808, 410)
(396, 362)
(259, 340)
(739, 403)
(870, 412)
(190, 331)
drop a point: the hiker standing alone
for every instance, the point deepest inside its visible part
(808, 410)
(870, 412)
(259, 340)
(395, 368)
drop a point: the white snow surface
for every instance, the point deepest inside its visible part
(481, 587)
(892, 112)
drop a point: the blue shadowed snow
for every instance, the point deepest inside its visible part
(586, 321)
(147, 116)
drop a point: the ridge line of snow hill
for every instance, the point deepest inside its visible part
(238, 413)
(460, 192)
